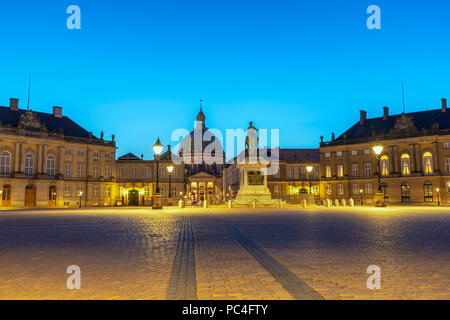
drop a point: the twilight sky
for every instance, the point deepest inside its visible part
(137, 69)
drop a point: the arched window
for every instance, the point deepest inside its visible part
(384, 166)
(428, 192)
(406, 192)
(5, 163)
(427, 163)
(51, 166)
(406, 165)
(29, 164)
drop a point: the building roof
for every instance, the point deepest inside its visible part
(409, 122)
(287, 154)
(51, 123)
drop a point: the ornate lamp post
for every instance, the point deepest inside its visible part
(309, 169)
(439, 196)
(361, 192)
(378, 149)
(169, 199)
(157, 148)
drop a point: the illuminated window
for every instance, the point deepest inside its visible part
(340, 170)
(328, 190)
(95, 191)
(355, 189)
(277, 190)
(384, 166)
(328, 171)
(405, 162)
(428, 192)
(66, 191)
(147, 191)
(340, 189)
(107, 191)
(327, 154)
(427, 163)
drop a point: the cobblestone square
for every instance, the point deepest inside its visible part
(220, 253)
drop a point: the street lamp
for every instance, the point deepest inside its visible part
(439, 196)
(378, 149)
(80, 194)
(157, 148)
(361, 192)
(169, 199)
(309, 169)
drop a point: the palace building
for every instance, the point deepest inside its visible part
(414, 166)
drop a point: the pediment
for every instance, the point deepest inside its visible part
(405, 123)
(202, 174)
(30, 121)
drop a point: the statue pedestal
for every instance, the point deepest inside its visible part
(253, 185)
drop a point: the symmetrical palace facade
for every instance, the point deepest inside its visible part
(47, 160)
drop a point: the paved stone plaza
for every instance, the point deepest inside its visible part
(226, 253)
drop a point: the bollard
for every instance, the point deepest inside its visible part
(305, 204)
(336, 202)
(229, 204)
(352, 202)
(205, 203)
(181, 204)
(328, 203)
(254, 203)
(280, 203)
(344, 202)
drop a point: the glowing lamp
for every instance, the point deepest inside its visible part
(377, 149)
(158, 147)
(309, 169)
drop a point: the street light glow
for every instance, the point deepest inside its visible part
(309, 169)
(158, 147)
(377, 149)
(170, 168)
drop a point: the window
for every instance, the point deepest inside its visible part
(120, 173)
(339, 154)
(277, 190)
(340, 170)
(428, 163)
(66, 191)
(355, 189)
(29, 164)
(95, 191)
(340, 189)
(95, 172)
(96, 154)
(107, 191)
(328, 190)
(51, 166)
(302, 172)
(446, 145)
(147, 173)
(290, 172)
(68, 151)
(354, 153)
(79, 189)
(147, 191)
(133, 172)
(369, 188)
(368, 169)
(447, 165)
(428, 192)
(161, 172)
(406, 196)
(162, 191)
(328, 171)
(5, 163)
(405, 163)
(107, 155)
(315, 190)
(174, 173)
(80, 152)
(107, 172)
(67, 172)
(80, 171)
(355, 170)
(174, 191)
(384, 166)
(327, 154)
(367, 152)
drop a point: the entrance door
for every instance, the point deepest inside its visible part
(406, 192)
(6, 195)
(133, 198)
(52, 196)
(30, 196)
(428, 192)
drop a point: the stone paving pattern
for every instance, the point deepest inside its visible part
(130, 253)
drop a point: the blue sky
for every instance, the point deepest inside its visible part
(137, 69)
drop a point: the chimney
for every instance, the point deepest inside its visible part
(363, 116)
(14, 104)
(385, 113)
(444, 105)
(168, 148)
(57, 112)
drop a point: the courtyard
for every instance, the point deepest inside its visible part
(218, 253)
